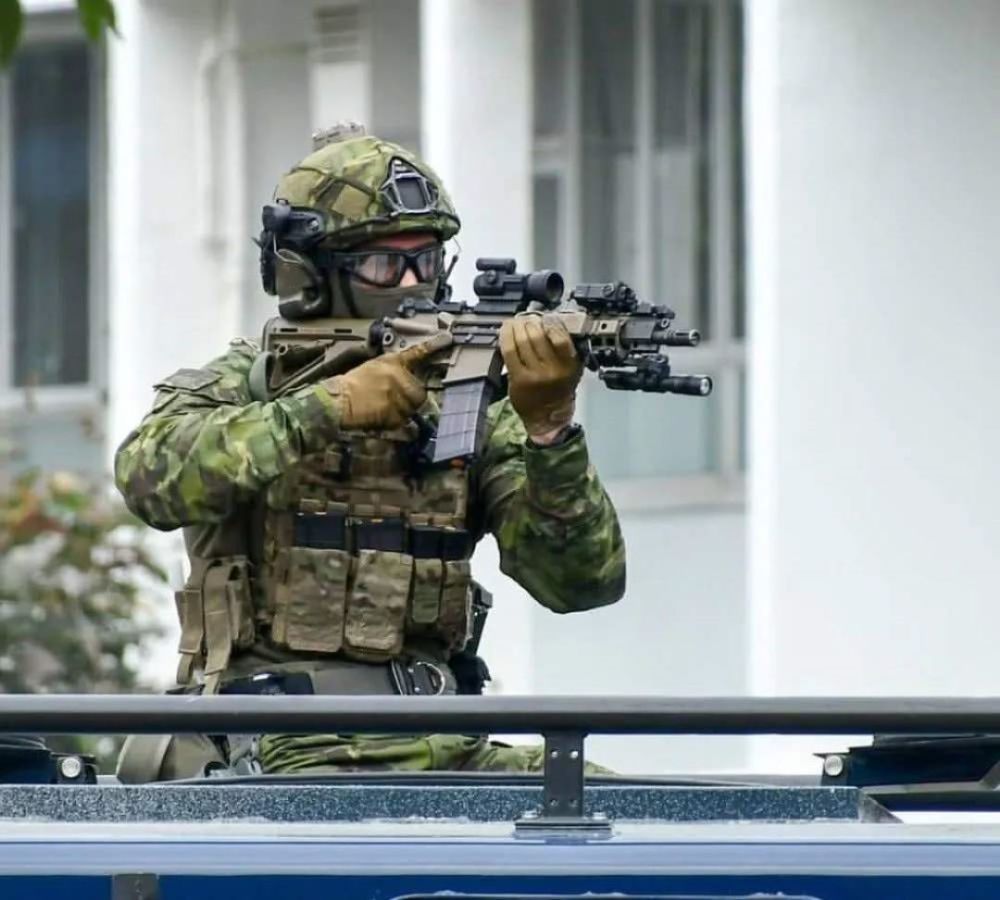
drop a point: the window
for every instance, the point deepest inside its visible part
(637, 177)
(49, 263)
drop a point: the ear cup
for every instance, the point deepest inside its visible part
(302, 289)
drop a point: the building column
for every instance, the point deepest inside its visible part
(476, 122)
(873, 140)
(175, 197)
(476, 133)
(279, 116)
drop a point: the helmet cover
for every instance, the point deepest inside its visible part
(367, 188)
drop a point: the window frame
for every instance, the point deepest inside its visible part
(61, 400)
(723, 354)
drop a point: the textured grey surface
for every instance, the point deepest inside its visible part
(354, 803)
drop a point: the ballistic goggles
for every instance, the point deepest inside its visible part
(385, 268)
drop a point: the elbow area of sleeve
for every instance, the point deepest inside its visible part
(138, 485)
(580, 571)
(595, 574)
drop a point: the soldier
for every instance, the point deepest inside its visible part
(325, 557)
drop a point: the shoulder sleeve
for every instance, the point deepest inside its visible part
(555, 526)
(206, 444)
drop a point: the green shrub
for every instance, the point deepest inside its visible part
(76, 590)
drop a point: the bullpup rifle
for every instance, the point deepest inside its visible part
(619, 337)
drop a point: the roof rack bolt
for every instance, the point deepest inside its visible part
(71, 767)
(833, 766)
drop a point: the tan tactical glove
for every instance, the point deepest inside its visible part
(544, 370)
(384, 392)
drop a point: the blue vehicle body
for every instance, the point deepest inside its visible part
(210, 842)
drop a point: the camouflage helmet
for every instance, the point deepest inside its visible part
(367, 188)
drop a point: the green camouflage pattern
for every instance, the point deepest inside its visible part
(323, 753)
(206, 445)
(555, 527)
(342, 179)
(207, 448)
(202, 451)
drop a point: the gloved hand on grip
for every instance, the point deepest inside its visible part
(544, 370)
(384, 392)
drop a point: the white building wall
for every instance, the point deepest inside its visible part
(175, 203)
(875, 209)
(679, 631)
(274, 67)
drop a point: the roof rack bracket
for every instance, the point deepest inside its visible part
(562, 807)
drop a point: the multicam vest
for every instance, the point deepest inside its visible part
(358, 551)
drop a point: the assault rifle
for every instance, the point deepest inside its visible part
(617, 336)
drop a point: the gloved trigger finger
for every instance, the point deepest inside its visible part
(413, 356)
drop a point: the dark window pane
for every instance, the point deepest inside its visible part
(648, 435)
(546, 221)
(680, 176)
(677, 60)
(608, 56)
(58, 441)
(739, 188)
(550, 41)
(51, 116)
(608, 176)
(642, 435)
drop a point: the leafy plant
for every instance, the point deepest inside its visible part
(72, 570)
(96, 16)
(74, 578)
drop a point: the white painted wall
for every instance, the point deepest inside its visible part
(875, 209)
(175, 199)
(677, 632)
(476, 87)
(279, 121)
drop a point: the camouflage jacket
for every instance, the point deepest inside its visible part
(207, 446)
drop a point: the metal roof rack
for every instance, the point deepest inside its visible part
(564, 722)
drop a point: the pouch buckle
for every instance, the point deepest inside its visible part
(417, 677)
